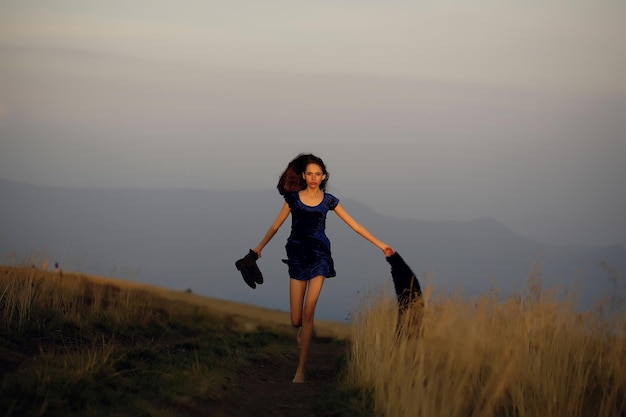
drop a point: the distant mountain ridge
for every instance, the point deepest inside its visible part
(190, 239)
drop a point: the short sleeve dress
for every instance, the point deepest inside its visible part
(308, 247)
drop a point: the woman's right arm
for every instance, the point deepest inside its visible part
(280, 219)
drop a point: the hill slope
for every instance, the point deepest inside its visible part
(73, 344)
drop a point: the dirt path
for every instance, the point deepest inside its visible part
(265, 388)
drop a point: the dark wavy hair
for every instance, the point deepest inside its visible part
(292, 180)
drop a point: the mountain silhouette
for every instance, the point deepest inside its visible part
(189, 239)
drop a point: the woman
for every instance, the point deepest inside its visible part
(303, 185)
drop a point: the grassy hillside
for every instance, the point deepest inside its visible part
(78, 345)
(527, 356)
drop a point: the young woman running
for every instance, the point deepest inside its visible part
(303, 185)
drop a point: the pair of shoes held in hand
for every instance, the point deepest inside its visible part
(249, 269)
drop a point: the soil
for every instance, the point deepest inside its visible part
(265, 388)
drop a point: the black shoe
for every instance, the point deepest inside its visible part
(249, 269)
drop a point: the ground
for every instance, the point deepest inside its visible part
(265, 388)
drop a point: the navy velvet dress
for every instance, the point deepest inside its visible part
(308, 247)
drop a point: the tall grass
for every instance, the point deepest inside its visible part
(72, 346)
(526, 356)
(37, 299)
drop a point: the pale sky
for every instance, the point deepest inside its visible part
(434, 110)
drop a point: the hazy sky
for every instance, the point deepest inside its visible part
(435, 110)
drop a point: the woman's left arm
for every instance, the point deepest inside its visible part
(362, 230)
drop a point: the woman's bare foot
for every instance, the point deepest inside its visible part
(299, 378)
(298, 336)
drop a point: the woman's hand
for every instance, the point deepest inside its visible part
(388, 250)
(257, 251)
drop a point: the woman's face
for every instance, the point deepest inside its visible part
(314, 175)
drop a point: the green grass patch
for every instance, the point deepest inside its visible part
(69, 347)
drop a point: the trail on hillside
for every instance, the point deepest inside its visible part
(265, 388)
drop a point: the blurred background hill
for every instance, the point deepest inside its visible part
(189, 239)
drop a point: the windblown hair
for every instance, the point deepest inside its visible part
(292, 179)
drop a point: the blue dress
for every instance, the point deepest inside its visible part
(308, 247)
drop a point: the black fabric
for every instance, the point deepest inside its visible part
(249, 269)
(404, 280)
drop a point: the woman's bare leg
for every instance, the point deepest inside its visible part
(299, 337)
(304, 296)
(297, 290)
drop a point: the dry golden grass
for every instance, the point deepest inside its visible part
(527, 356)
(59, 289)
